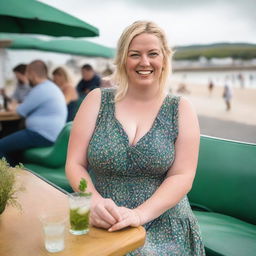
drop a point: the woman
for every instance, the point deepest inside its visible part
(60, 77)
(142, 145)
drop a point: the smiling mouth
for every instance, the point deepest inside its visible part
(144, 72)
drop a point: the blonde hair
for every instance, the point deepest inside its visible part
(135, 29)
(61, 72)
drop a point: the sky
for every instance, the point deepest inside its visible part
(185, 22)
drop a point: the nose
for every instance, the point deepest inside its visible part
(144, 61)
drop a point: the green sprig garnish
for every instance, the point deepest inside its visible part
(82, 187)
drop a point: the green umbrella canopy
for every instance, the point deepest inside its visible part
(33, 17)
(70, 46)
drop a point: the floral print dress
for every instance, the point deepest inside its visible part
(129, 175)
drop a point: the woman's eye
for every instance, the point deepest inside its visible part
(153, 54)
(134, 55)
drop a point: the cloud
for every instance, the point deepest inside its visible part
(185, 22)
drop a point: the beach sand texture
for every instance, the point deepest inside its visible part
(237, 124)
(243, 103)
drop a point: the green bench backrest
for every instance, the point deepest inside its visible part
(59, 151)
(54, 156)
(226, 178)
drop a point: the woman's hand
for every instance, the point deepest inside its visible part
(130, 217)
(104, 213)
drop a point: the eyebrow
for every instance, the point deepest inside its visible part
(149, 50)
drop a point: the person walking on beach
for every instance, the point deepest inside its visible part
(210, 87)
(227, 95)
(141, 143)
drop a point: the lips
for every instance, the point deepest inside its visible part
(144, 72)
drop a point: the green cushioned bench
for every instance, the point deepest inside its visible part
(225, 190)
(49, 162)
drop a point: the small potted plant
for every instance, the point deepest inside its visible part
(8, 185)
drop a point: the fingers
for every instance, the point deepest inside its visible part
(113, 209)
(99, 223)
(105, 214)
(122, 224)
(129, 218)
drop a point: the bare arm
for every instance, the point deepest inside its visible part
(81, 133)
(104, 212)
(180, 176)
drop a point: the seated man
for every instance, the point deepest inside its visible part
(90, 80)
(44, 110)
(22, 89)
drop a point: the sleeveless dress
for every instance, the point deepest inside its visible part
(129, 175)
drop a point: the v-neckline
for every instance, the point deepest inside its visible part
(145, 135)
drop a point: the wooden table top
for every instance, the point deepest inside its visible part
(21, 233)
(9, 116)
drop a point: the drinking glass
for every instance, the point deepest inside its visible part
(79, 213)
(54, 226)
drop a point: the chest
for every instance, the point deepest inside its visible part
(136, 119)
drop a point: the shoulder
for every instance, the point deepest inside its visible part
(93, 96)
(88, 110)
(69, 88)
(108, 91)
(185, 104)
(187, 115)
(92, 101)
(173, 99)
(51, 89)
(182, 103)
(46, 85)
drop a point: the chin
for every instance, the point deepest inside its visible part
(145, 83)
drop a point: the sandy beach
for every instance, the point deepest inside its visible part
(243, 104)
(237, 124)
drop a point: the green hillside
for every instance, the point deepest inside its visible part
(221, 50)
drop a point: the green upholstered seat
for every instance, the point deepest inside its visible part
(225, 235)
(49, 162)
(225, 183)
(53, 156)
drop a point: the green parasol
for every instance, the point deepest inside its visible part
(33, 17)
(70, 46)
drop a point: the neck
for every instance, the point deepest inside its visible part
(144, 94)
(40, 80)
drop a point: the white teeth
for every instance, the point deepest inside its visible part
(144, 72)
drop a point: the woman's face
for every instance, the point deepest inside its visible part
(57, 79)
(144, 63)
